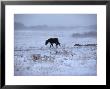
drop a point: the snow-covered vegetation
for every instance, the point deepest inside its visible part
(33, 58)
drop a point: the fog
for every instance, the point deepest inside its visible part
(56, 19)
(80, 25)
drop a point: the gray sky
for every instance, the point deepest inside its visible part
(56, 19)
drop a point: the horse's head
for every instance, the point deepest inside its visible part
(46, 42)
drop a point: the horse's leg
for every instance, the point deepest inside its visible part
(51, 45)
(59, 44)
(56, 45)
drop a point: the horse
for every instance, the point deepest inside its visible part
(52, 41)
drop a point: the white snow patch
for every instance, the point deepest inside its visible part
(66, 60)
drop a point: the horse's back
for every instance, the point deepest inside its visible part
(56, 39)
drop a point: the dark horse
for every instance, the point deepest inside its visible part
(52, 41)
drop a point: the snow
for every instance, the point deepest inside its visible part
(66, 60)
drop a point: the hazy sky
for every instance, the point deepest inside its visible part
(56, 19)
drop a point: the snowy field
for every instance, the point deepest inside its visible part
(33, 58)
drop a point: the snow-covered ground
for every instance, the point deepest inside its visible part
(66, 60)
